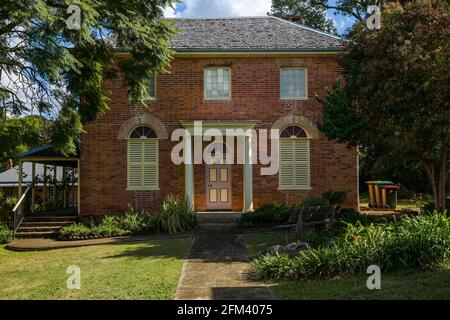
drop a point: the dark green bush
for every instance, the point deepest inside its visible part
(314, 201)
(419, 243)
(428, 207)
(76, 230)
(334, 197)
(176, 215)
(6, 206)
(267, 214)
(6, 234)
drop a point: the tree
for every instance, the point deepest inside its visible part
(18, 134)
(53, 63)
(313, 13)
(396, 91)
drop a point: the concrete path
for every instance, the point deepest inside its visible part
(218, 269)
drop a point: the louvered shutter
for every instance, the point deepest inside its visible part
(150, 174)
(301, 153)
(143, 164)
(294, 164)
(286, 163)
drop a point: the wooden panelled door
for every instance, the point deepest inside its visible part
(218, 187)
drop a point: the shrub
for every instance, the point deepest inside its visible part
(175, 216)
(267, 214)
(334, 197)
(314, 201)
(428, 207)
(419, 242)
(6, 234)
(76, 230)
(6, 206)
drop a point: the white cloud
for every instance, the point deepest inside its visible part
(221, 8)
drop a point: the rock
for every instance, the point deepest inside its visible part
(291, 249)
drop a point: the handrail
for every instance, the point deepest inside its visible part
(17, 211)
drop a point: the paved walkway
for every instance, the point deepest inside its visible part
(218, 268)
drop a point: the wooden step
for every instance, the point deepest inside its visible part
(25, 229)
(49, 218)
(45, 223)
(33, 235)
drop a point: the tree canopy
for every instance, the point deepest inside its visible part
(395, 91)
(312, 12)
(55, 69)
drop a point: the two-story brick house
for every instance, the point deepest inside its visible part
(235, 73)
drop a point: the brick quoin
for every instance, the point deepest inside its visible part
(255, 96)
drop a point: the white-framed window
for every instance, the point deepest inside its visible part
(293, 83)
(294, 159)
(217, 83)
(152, 87)
(143, 159)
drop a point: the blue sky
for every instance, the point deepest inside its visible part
(227, 8)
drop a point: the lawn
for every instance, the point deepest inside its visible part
(404, 285)
(147, 270)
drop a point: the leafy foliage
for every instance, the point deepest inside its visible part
(409, 55)
(267, 214)
(176, 215)
(18, 134)
(57, 71)
(418, 243)
(6, 234)
(313, 13)
(6, 206)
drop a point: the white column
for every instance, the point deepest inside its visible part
(20, 178)
(33, 187)
(188, 171)
(248, 175)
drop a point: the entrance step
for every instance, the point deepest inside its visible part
(218, 217)
(43, 226)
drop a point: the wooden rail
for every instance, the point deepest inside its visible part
(18, 211)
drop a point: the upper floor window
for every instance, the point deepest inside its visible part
(293, 84)
(217, 83)
(143, 159)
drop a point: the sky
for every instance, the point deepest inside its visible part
(228, 8)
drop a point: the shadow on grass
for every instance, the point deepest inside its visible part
(159, 249)
(427, 285)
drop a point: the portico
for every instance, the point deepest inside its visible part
(228, 133)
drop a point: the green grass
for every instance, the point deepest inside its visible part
(404, 285)
(147, 270)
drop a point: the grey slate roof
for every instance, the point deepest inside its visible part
(250, 34)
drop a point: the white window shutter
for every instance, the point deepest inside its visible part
(286, 163)
(143, 164)
(301, 163)
(294, 164)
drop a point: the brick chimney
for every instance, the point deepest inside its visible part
(297, 19)
(9, 164)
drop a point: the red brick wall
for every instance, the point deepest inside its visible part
(255, 96)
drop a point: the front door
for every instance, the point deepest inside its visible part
(218, 187)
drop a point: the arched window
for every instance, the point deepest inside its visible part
(143, 159)
(294, 159)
